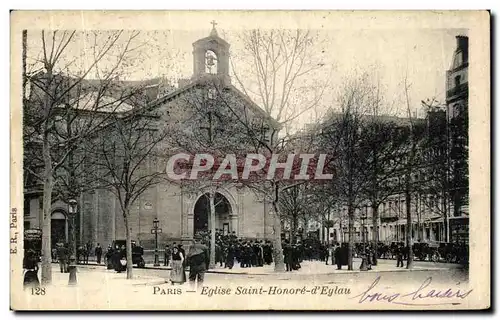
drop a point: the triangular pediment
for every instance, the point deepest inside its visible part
(177, 94)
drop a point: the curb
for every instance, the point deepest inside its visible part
(344, 271)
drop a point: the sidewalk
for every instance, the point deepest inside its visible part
(96, 288)
(94, 276)
(309, 268)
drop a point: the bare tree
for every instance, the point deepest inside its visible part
(343, 132)
(383, 143)
(293, 207)
(128, 160)
(283, 74)
(415, 132)
(55, 95)
(281, 79)
(239, 127)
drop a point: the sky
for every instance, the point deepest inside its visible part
(423, 54)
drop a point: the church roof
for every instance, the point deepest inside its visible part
(213, 36)
(252, 105)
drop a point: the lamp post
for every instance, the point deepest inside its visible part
(364, 264)
(72, 209)
(156, 230)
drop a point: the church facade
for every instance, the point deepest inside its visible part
(181, 211)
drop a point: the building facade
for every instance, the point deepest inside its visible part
(439, 206)
(181, 211)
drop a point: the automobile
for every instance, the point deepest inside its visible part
(137, 251)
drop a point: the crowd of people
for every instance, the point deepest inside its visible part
(229, 249)
(247, 253)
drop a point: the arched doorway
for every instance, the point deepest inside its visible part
(202, 224)
(58, 228)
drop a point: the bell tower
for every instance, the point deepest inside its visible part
(211, 58)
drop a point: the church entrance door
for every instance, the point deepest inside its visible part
(59, 228)
(202, 214)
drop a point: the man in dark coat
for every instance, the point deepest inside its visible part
(98, 253)
(119, 254)
(399, 256)
(288, 256)
(230, 256)
(268, 252)
(109, 257)
(218, 254)
(243, 256)
(198, 261)
(338, 257)
(62, 256)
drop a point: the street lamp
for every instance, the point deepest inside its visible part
(72, 209)
(155, 230)
(364, 265)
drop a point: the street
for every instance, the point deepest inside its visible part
(149, 289)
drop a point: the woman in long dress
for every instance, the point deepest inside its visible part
(177, 274)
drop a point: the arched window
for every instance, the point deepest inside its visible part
(210, 62)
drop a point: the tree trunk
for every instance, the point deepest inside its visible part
(409, 226)
(128, 245)
(295, 222)
(350, 245)
(375, 233)
(446, 224)
(328, 229)
(25, 48)
(48, 186)
(279, 262)
(212, 228)
(46, 215)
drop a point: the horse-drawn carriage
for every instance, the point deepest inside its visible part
(426, 251)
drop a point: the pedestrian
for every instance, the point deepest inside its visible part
(288, 256)
(54, 254)
(86, 252)
(369, 257)
(332, 256)
(218, 255)
(399, 256)
(268, 252)
(329, 254)
(230, 257)
(338, 257)
(198, 261)
(109, 257)
(98, 253)
(62, 256)
(120, 259)
(30, 264)
(166, 255)
(177, 274)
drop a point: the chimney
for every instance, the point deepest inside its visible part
(462, 43)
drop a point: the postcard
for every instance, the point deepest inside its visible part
(250, 160)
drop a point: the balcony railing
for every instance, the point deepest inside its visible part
(462, 88)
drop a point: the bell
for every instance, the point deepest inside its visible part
(210, 61)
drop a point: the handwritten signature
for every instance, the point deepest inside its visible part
(373, 294)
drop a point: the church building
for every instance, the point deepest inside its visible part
(180, 213)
